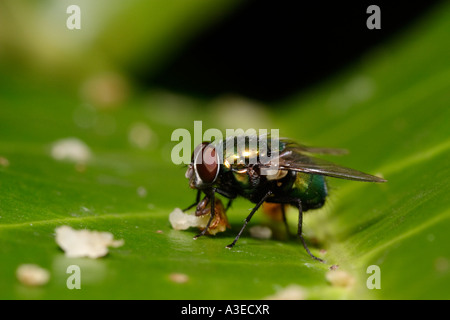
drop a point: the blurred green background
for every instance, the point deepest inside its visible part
(138, 70)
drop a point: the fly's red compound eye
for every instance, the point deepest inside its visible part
(206, 162)
(197, 150)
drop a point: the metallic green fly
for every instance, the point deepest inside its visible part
(292, 177)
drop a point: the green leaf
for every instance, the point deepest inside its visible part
(390, 110)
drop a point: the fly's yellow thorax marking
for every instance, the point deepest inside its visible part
(241, 177)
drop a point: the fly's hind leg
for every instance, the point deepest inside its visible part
(283, 213)
(298, 204)
(299, 232)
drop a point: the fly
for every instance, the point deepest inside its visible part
(297, 180)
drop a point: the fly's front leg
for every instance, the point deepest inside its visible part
(212, 199)
(210, 195)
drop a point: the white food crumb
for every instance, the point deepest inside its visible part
(183, 221)
(179, 277)
(141, 191)
(291, 292)
(32, 275)
(71, 149)
(261, 232)
(85, 243)
(340, 278)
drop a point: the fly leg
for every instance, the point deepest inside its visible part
(228, 204)
(231, 245)
(197, 200)
(211, 196)
(213, 211)
(299, 233)
(283, 212)
(298, 204)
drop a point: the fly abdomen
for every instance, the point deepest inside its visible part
(311, 189)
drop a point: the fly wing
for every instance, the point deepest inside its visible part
(300, 148)
(294, 158)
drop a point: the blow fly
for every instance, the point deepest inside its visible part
(292, 176)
